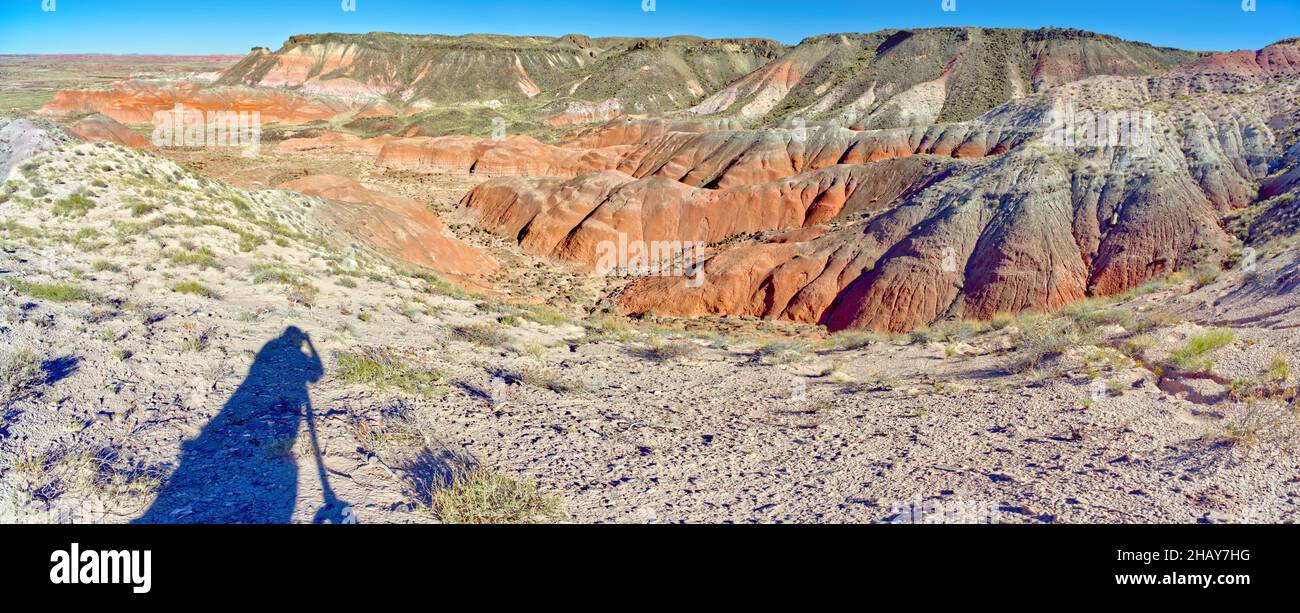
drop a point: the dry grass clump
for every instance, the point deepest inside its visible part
(1194, 355)
(20, 371)
(660, 349)
(781, 352)
(481, 334)
(195, 288)
(1044, 339)
(482, 497)
(53, 292)
(848, 340)
(385, 371)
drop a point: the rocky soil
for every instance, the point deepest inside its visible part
(134, 371)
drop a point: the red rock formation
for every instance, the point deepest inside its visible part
(1006, 235)
(336, 142)
(137, 102)
(1279, 59)
(95, 128)
(728, 159)
(568, 218)
(717, 159)
(398, 226)
(577, 113)
(630, 131)
(516, 155)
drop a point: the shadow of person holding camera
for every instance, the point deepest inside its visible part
(241, 467)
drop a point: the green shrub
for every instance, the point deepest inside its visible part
(53, 292)
(202, 257)
(195, 288)
(1194, 355)
(1278, 370)
(75, 205)
(142, 208)
(781, 352)
(387, 372)
(274, 273)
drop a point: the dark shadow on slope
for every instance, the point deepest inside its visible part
(240, 468)
(59, 369)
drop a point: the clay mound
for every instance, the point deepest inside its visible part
(398, 226)
(712, 159)
(568, 218)
(97, 127)
(630, 131)
(336, 142)
(514, 155)
(1007, 235)
(729, 159)
(1006, 219)
(576, 113)
(137, 102)
(1279, 59)
(377, 108)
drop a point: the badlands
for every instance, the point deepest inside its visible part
(935, 275)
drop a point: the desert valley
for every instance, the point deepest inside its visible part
(973, 275)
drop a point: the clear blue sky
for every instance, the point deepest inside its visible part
(233, 26)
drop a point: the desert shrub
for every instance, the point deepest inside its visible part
(384, 371)
(1278, 370)
(53, 292)
(1204, 276)
(543, 315)
(848, 340)
(20, 370)
(1194, 355)
(195, 288)
(75, 205)
(438, 285)
(1093, 313)
(781, 352)
(303, 293)
(141, 208)
(952, 330)
(202, 257)
(265, 272)
(1158, 319)
(481, 334)
(105, 266)
(1042, 340)
(1001, 321)
(480, 497)
(607, 327)
(665, 350)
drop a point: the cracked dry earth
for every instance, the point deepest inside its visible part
(659, 420)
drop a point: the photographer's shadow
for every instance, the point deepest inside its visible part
(241, 467)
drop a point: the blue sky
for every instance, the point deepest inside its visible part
(233, 26)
